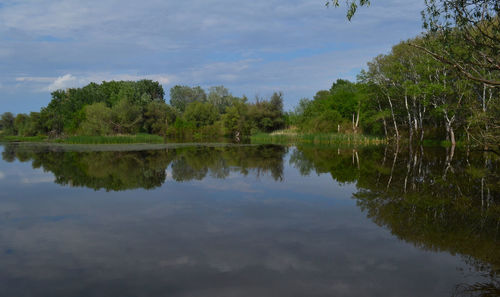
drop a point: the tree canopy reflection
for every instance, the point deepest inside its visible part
(124, 170)
(437, 199)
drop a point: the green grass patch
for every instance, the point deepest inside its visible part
(315, 138)
(10, 138)
(112, 139)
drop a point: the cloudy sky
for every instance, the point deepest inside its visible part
(252, 47)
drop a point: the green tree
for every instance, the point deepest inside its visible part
(126, 117)
(182, 96)
(21, 122)
(7, 123)
(220, 97)
(158, 117)
(97, 119)
(235, 120)
(469, 32)
(201, 114)
(34, 125)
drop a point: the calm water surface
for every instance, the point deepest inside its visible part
(248, 221)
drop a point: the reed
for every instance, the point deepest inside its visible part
(112, 139)
(315, 138)
(10, 138)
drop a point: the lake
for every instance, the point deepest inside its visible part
(248, 220)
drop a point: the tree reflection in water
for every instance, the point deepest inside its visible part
(435, 198)
(125, 170)
(438, 199)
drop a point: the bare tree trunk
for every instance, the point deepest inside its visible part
(357, 120)
(449, 128)
(394, 119)
(421, 120)
(383, 119)
(452, 136)
(410, 130)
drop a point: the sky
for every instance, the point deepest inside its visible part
(251, 47)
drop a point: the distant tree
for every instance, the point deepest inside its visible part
(126, 117)
(34, 125)
(220, 97)
(200, 114)
(7, 123)
(277, 102)
(20, 122)
(97, 120)
(158, 117)
(235, 120)
(152, 89)
(182, 96)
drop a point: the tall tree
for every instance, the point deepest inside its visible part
(469, 31)
(220, 97)
(7, 123)
(181, 96)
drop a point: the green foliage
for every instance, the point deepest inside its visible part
(201, 114)
(469, 35)
(158, 117)
(34, 125)
(352, 6)
(235, 120)
(65, 111)
(182, 96)
(315, 138)
(7, 123)
(112, 139)
(332, 110)
(220, 97)
(97, 120)
(267, 115)
(126, 117)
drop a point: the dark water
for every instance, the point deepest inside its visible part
(249, 221)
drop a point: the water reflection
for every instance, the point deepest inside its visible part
(272, 234)
(125, 170)
(437, 199)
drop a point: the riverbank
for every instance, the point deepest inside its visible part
(260, 138)
(109, 139)
(279, 137)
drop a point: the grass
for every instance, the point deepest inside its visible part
(278, 137)
(9, 138)
(282, 137)
(115, 139)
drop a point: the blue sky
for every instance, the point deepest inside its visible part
(251, 47)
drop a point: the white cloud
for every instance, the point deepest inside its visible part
(2, 175)
(50, 84)
(63, 82)
(251, 47)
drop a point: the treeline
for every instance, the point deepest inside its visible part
(443, 84)
(126, 107)
(409, 94)
(405, 94)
